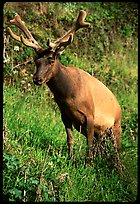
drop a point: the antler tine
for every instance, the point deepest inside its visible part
(78, 24)
(31, 42)
(16, 37)
(80, 21)
(18, 22)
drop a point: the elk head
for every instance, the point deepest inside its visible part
(46, 61)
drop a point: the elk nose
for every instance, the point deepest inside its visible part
(37, 81)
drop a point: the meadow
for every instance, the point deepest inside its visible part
(36, 166)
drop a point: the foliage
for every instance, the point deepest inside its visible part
(35, 160)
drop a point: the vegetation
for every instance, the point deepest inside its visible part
(35, 159)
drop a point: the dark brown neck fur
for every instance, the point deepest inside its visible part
(60, 84)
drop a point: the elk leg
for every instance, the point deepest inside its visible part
(90, 136)
(118, 133)
(70, 139)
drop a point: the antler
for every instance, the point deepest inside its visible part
(31, 42)
(68, 37)
(59, 44)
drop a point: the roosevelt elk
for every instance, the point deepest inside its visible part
(84, 101)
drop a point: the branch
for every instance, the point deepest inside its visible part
(24, 63)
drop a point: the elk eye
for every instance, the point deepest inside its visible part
(50, 59)
(37, 63)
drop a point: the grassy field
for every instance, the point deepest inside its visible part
(35, 158)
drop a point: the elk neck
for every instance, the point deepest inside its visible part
(59, 84)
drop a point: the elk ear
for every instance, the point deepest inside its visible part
(59, 51)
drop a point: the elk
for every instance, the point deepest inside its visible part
(84, 101)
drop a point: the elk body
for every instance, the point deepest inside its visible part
(84, 101)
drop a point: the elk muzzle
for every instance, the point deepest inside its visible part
(38, 80)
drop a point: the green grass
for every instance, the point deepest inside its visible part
(36, 165)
